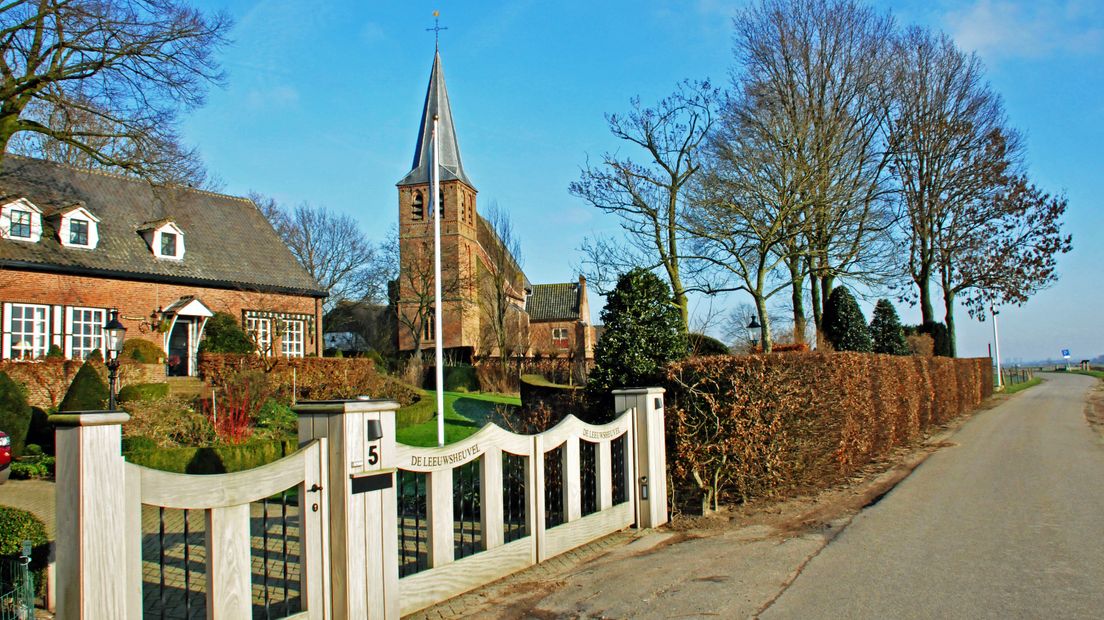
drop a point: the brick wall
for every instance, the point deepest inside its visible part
(136, 300)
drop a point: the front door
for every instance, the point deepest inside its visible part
(180, 348)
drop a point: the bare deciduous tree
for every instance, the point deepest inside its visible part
(943, 131)
(817, 71)
(501, 285)
(649, 197)
(332, 248)
(101, 83)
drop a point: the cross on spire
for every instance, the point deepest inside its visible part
(437, 28)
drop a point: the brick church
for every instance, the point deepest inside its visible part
(490, 307)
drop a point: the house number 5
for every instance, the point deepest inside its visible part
(373, 455)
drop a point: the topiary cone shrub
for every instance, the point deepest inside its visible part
(15, 413)
(886, 332)
(843, 323)
(87, 392)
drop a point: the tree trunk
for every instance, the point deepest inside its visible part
(797, 298)
(818, 306)
(923, 282)
(761, 308)
(948, 319)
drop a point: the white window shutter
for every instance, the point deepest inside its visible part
(69, 332)
(56, 334)
(7, 331)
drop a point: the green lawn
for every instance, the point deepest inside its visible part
(465, 413)
(1019, 387)
(1099, 374)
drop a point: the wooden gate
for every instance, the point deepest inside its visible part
(259, 528)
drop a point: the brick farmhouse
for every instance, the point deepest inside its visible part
(74, 244)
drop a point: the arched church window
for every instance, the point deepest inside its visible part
(441, 203)
(417, 208)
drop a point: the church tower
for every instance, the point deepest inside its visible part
(459, 240)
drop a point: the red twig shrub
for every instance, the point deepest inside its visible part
(312, 378)
(745, 427)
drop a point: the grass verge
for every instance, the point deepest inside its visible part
(1099, 374)
(1019, 387)
(465, 413)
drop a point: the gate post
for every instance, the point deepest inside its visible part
(363, 529)
(91, 508)
(649, 453)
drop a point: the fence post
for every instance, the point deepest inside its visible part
(91, 562)
(649, 453)
(363, 529)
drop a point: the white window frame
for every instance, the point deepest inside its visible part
(42, 336)
(293, 338)
(79, 214)
(566, 338)
(153, 238)
(21, 204)
(259, 329)
(72, 323)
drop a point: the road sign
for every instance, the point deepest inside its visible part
(1065, 353)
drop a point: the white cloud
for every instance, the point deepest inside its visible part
(999, 29)
(278, 96)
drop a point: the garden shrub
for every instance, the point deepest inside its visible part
(224, 334)
(701, 345)
(746, 427)
(15, 413)
(238, 401)
(460, 378)
(55, 353)
(886, 332)
(844, 325)
(17, 526)
(277, 419)
(315, 378)
(212, 459)
(170, 421)
(142, 391)
(644, 332)
(88, 392)
(941, 342)
(142, 351)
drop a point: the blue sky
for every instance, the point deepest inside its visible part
(323, 101)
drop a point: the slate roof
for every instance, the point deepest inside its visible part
(228, 242)
(436, 103)
(554, 302)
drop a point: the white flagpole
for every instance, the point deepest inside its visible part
(996, 345)
(435, 192)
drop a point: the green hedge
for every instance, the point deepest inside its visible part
(143, 392)
(143, 351)
(15, 527)
(212, 460)
(457, 379)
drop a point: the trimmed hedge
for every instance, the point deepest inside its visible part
(538, 392)
(15, 413)
(142, 351)
(212, 460)
(15, 527)
(315, 378)
(745, 427)
(143, 392)
(457, 379)
(87, 392)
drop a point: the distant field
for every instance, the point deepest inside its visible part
(465, 413)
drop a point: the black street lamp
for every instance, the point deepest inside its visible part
(754, 329)
(114, 333)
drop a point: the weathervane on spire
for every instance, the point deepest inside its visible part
(437, 28)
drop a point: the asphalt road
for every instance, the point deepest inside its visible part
(1008, 523)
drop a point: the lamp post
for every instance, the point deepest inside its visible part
(996, 346)
(114, 333)
(754, 329)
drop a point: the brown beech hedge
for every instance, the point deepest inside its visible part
(752, 426)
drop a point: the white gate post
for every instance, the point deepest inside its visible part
(649, 453)
(91, 562)
(363, 529)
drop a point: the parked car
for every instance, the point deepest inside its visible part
(5, 456)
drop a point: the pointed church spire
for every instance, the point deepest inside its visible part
(436, 103)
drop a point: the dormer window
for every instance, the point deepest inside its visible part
(168, 244)
(165, 239)
(20, 220)
(20, 224)
(78, 228)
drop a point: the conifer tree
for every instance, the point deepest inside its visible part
(15, 413)
(844, 324)
(644, 331)
(885, 330)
